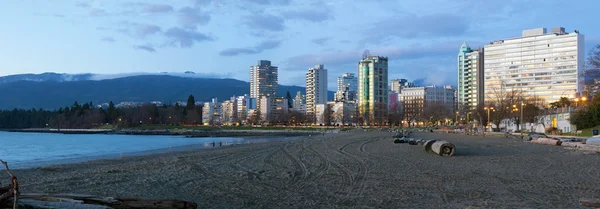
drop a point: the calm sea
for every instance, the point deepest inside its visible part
(27, 150)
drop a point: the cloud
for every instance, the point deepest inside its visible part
(97, 77)
(96, 12)
(414, 51)
(147, 47)
(260, 47)
(309, 15)
(321, 41)
(317, 11)
(191, 17)
(270, 2)
(108, 39)
(157, 8)
(82, 4)
(186, 38)
(50, 15)
(101, 28)
(264, 22)
(413, 27)
(145, 30)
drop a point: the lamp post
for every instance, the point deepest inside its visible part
(488, 110)
(456, 121)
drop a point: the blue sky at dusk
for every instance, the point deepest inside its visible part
(222, 38)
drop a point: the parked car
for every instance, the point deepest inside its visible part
(534, 135)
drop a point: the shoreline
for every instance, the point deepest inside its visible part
(178, 132)
(175, 150)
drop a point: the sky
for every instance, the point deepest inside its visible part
(222, 38)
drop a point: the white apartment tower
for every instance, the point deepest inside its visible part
(263, 79)
(538, 64)
(316, 88)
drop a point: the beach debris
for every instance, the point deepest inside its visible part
(11, 191)
(571, 144)
(400, 141)
(83, 201)
(588, 147)
(594, 203)
(593, 140)
(11, 197)
(548, 141)
(442, 148)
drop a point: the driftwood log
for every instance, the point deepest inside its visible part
(593, 141)
(400, 141)
(588, 147)
(82, 201)
(10, 197)
(10, 192)
(442, 148)
(571, 144)
(594, 203)
(547, 141)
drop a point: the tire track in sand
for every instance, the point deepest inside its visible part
(361, 175)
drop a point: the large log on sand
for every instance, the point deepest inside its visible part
(81, 201)
(571, 144)
(547, 141)
(589, 147)
(594, 203)
(594, 141)
(442, 148)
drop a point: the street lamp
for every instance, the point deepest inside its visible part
(456, 118)
(521, 118)
(488, 110)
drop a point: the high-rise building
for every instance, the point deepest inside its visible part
(243, 105)
(347, 82)
(538, 64)
(265, 108)
(347, 87)
(298, 104)
(229, 112)
(373, 90)
(211, 113)
(470, 78)
(316, 88)
(417, 99)
(263, 79)
(396, 85)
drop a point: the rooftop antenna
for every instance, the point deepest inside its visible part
(366, 54)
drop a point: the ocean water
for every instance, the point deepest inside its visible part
(27, 150)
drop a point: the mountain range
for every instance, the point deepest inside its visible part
(52, 90)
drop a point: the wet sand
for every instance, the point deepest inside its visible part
(345, 170)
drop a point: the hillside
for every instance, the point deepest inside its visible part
(52, 94)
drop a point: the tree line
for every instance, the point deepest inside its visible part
(88, 116)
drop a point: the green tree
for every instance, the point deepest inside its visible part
(289, 99)
(191, 103)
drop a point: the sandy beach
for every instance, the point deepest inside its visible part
(345, 170)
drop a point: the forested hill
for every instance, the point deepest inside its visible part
(27, 94)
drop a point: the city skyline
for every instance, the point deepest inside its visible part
(107, 37)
